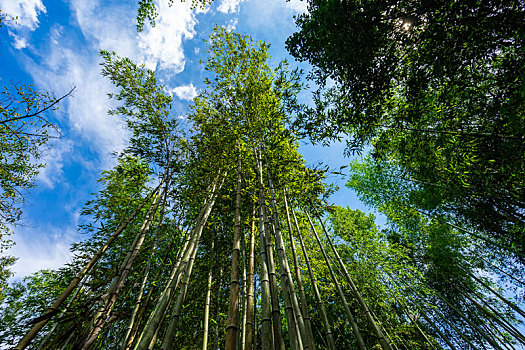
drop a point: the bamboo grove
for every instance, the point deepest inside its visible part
(220, 237)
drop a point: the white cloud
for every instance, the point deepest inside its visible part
(86, 109)
(83, 115)
(299, 6)
(27, 12)
(185, 92)
(53, 159)
(19, 42)
(66, 62)
(232, 24)
(109, 28)
(229, 6)
(41, 248)
(162, 45)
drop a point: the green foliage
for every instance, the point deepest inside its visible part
(148, 11)
(414, 277)
(446, 257)
(23, 300)
(410, 50)
(25, 130)
(6, 261)
(123, 188)
(146, 108)
(247, 102)
(436, 88)
(371, 258)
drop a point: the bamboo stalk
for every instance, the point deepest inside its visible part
(218, 310)
(349, 314)
(266, 321)
(364, 307)
(512, 331)
(249, 324)
(276, 313)
(502, 298)
(443, 336)
(304, 305)
(320, 304)
(208, 299)
(156, 316)
(286, 278)
(139, 296)
(272, 276)
(44, 341)
(405, 310)
(244, 298)
(232, 324)
(53, 309)
(504, 272)
(169, 337)
(464, 317)
(415, 304)
(178, 259)
(118, 281)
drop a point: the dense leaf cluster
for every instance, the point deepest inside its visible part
(435, 87)
(222, 234)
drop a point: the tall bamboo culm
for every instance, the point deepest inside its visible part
(232, 325)
(276, 312)
(207, 303)
(249, 324)
(320, 304)
(157, 315)
(385, 345)
(169, 337)
(110, 298)
(140, 294)
(53, 309)
(302, 295)
(286, 275)
(349, 314)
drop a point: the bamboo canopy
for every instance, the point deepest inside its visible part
(174, 265)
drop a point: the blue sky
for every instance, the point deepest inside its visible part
(54, 44)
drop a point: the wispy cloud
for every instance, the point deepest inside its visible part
(26, 14)
(162, 45)
(232, 24)
(54, 161)
(49, 251)
(107, 27)
(229, 6)
(19, 42)
(26, 11)
(85, 120)
(184, 92)
(299, 6)
(65, 62)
